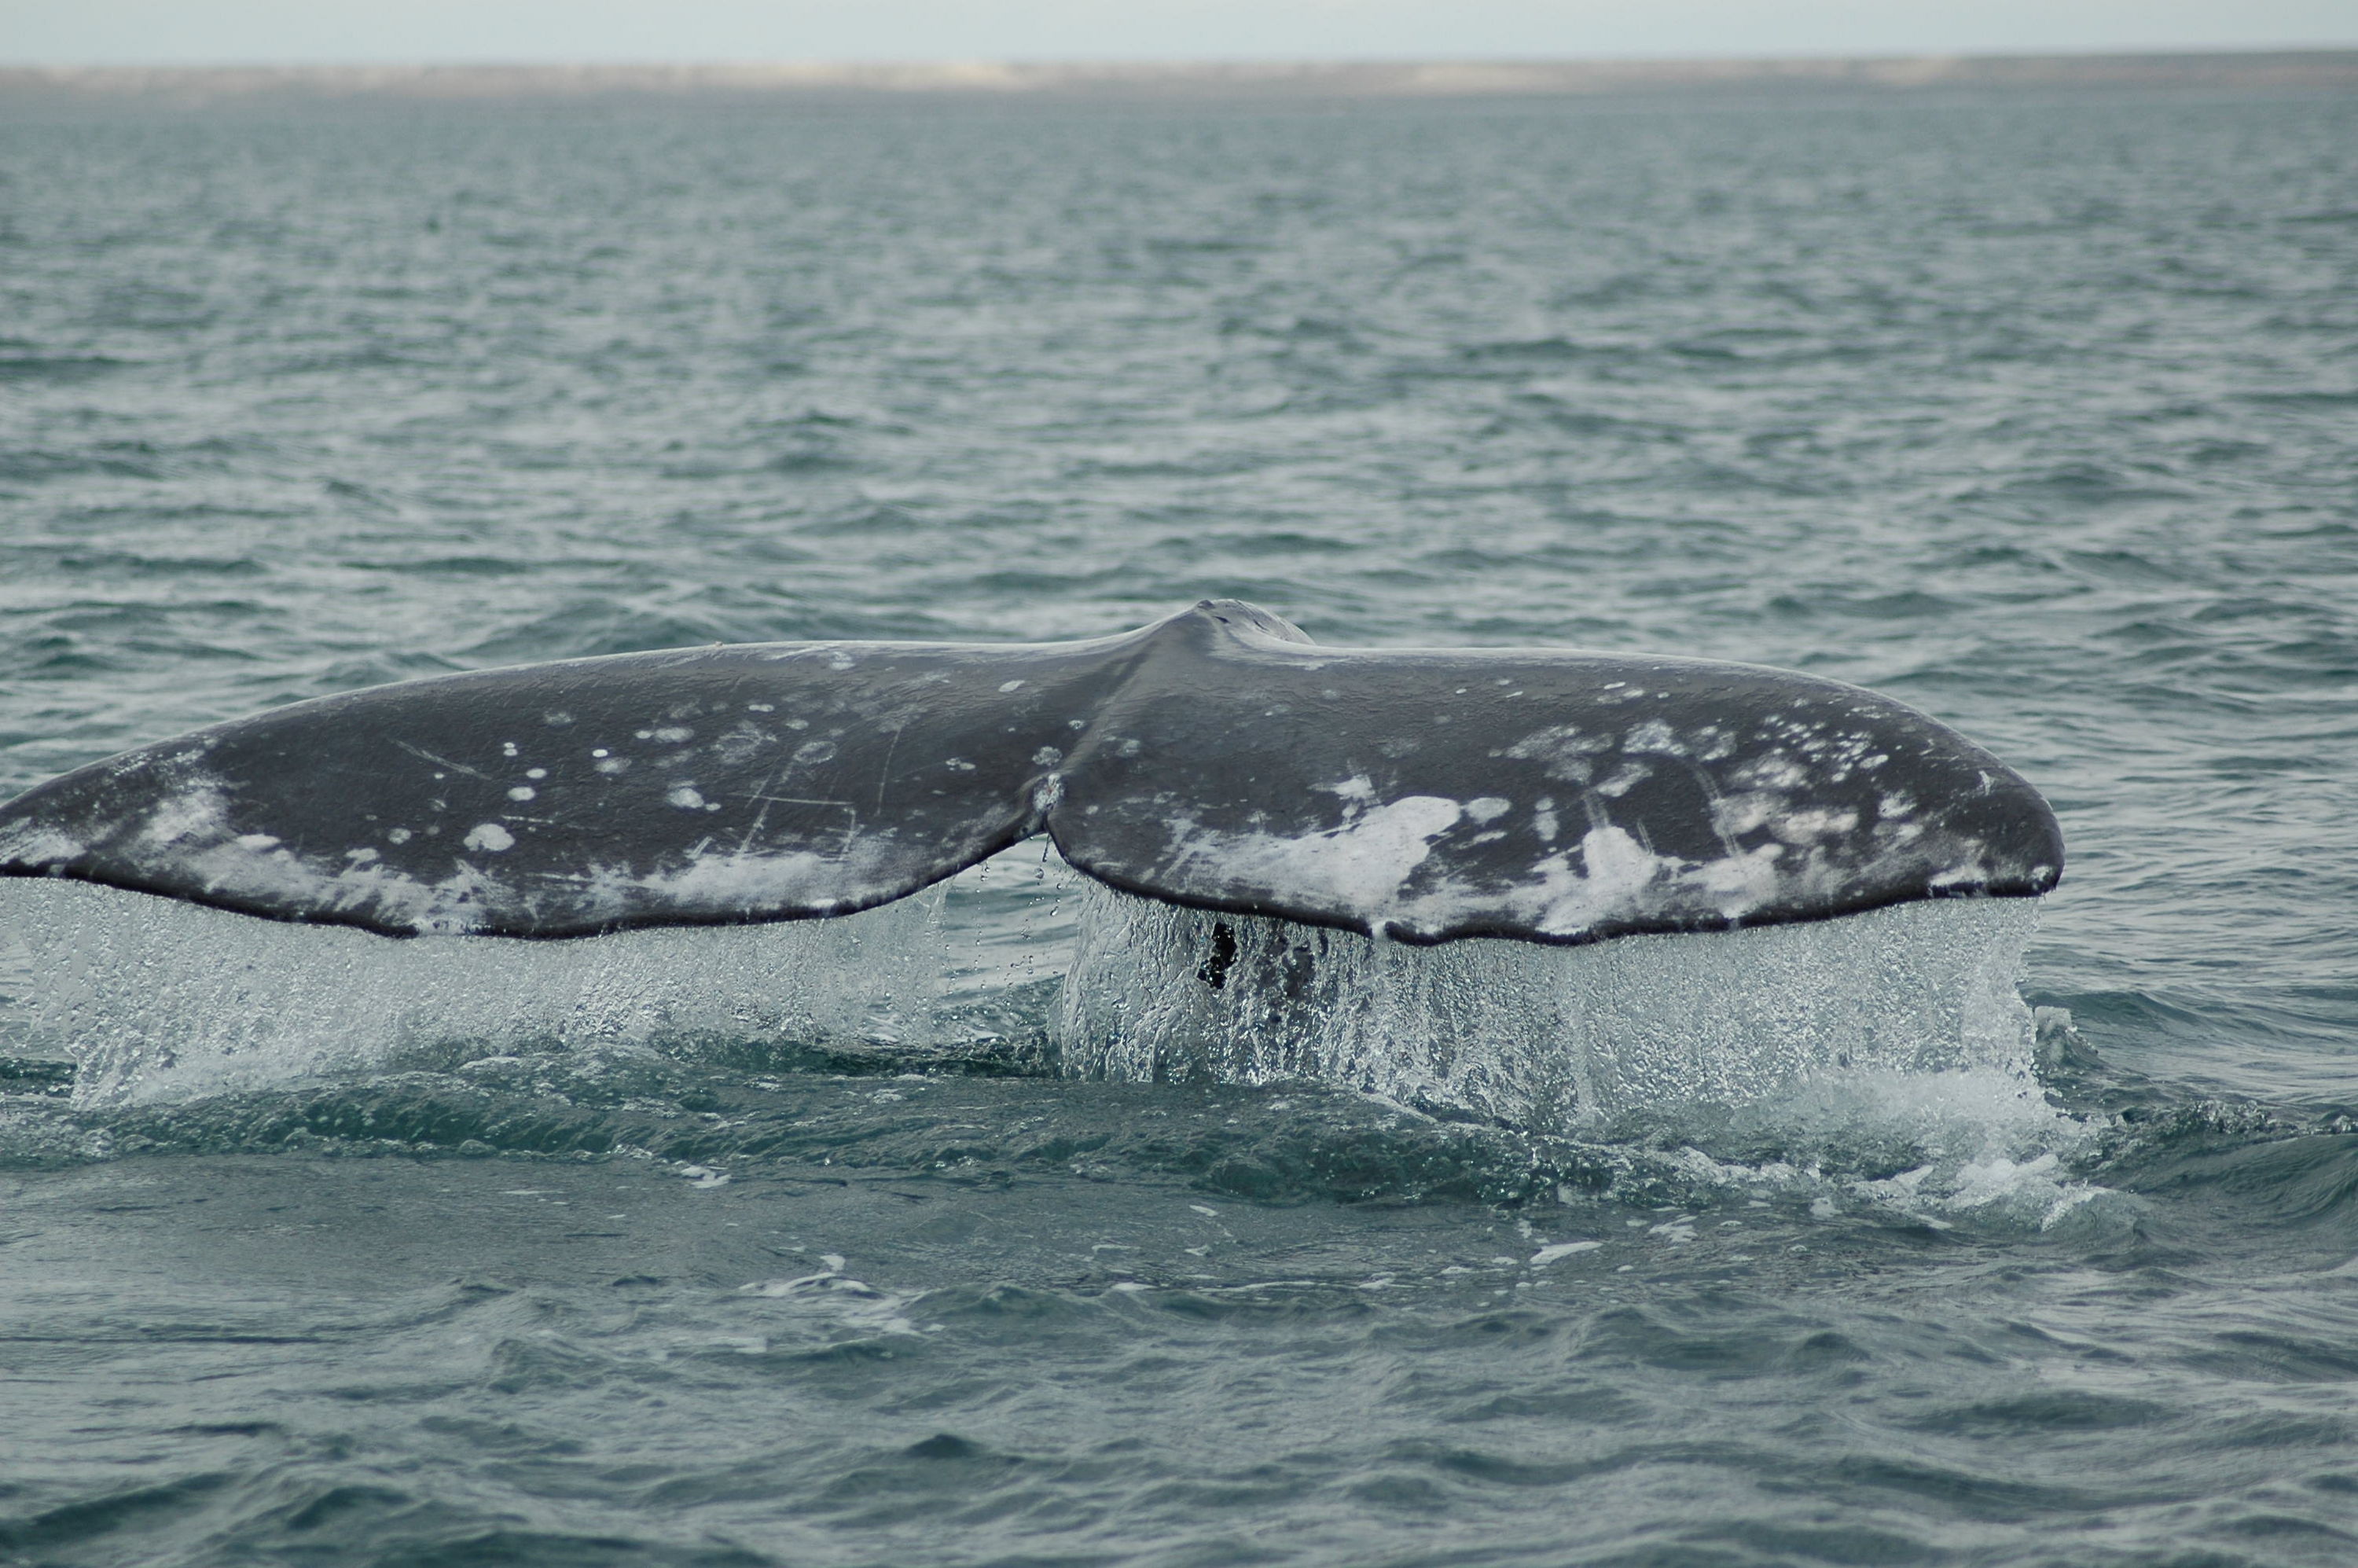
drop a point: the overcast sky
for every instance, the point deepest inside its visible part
(298, 31)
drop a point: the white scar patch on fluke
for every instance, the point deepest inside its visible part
(1359, 868)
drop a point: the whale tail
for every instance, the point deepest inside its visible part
(1216, 759)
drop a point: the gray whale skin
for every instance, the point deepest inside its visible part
(1217, 759)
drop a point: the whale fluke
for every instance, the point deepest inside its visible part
(1217, 759)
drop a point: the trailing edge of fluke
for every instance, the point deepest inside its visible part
(1217, 759)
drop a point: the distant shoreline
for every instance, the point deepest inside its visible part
(206, 86)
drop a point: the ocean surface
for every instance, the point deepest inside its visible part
(797, 1244)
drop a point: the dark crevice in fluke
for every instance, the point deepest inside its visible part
(1214, 970)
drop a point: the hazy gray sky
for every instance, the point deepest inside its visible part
(260, 31)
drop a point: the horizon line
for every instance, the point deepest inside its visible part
(2272, 65)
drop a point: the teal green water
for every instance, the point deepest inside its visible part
(2038, 412)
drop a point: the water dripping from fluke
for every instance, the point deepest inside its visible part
(1546, 1037)
(157, 999)
(1888, 1048)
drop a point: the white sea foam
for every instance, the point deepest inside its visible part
(1979, 1146)
(830, 1299)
